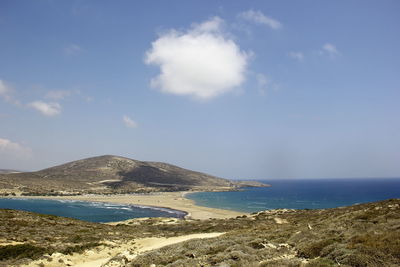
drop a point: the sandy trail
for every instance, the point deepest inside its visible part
(96, 258)
(146, 244)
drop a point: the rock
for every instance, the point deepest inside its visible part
(280, 221)
(270, 245)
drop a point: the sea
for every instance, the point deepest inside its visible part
(88, 211)
(302, 194)
(283, 194)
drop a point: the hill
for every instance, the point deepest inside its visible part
(113, 174)
(359, 235)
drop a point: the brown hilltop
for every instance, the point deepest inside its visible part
(113, 174)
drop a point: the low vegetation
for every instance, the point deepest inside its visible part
(21, 251)
(360, 235)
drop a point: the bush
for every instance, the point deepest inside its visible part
(321, 262)
(21, 251)
(80, 248)
(314, 249)
(281, 263)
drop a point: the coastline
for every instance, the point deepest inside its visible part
(168, 200)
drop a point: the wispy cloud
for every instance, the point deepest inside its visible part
(262, 83)
(49, 107)
(330, 50)
(202, 62)
(58, 94)
(6, 92)
(46, 108)
(129, 122)
(265, 84)
(13, 149)
(258, 17)
(299, 56)
(72, 49)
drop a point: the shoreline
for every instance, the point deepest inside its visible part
(164, 200)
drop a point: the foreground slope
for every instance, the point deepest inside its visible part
(359, 235)
(112, 174)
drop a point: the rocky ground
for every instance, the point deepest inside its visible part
(360, 235)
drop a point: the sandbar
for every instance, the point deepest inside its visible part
(171, 200)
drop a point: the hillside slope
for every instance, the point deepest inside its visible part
(360, 235)
(112, 174)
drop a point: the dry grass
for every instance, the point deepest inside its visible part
(361, 235)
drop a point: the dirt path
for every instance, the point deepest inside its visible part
(99, 257)
(151, 243)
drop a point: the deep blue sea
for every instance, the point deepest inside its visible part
(302, 194)
(291, 194)
(87, 211)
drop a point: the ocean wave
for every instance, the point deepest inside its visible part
(105, 205)
(168, 210)
(65, 200)
(130, 207)
(89, 211)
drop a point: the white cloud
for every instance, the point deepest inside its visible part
(201, 62)
(297, 55)
(58, 94)
(129, 122)
(12, 149)
(258, 17)
(329, 49)
(46, 108)
(72, 49)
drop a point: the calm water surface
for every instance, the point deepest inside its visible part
(302, 194)
(88, 211)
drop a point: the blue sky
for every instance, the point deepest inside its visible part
(244, 89)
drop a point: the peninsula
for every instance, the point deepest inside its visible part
(113, 175)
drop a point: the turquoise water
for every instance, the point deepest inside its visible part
(88, 211)
(302, 194)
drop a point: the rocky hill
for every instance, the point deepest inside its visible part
(113, 174)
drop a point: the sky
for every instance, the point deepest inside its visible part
(238, 89)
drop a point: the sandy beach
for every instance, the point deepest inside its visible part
(172, 200)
